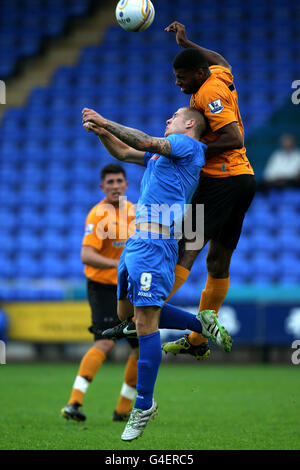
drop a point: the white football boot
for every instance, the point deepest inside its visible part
(212, 330)
(137, 422)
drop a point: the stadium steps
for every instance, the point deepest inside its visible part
(65, 51)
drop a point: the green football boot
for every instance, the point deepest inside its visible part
(213, 331)
(183, 346)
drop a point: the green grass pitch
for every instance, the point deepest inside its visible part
(200, 407)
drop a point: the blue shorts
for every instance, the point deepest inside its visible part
(146, 270)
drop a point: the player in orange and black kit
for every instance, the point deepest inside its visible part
(107, 227)
(227, 182)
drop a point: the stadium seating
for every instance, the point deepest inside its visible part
(25, 24)
(49, 168)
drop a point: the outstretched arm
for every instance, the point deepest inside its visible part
(116, 147)
(212, 57)
(132, 137)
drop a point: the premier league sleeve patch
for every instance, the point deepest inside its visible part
(215, 106)
(89, 229)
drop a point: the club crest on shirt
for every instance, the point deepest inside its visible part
(89, 229)
(155, 157)
(215, 106)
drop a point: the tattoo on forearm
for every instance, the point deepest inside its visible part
(138, 139)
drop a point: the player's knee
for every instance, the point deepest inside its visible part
(121, 314)
(141, 326)
(216, 266)
(104, 345)
(124, 310)
(187, 257)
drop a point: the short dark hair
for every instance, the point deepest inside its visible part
(112, 168)
(190, 59)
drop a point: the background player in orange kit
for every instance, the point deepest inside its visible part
(107, 227)
(227, 183)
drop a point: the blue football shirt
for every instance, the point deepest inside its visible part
(170, 182)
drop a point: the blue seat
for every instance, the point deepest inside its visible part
(265, 219)
(28, 242)
(264, 265)
(263, 279)
(9, 151)
(54, 27)
(74, 267)
(288, 242)
(54, 219)
(291, 197)
(289, 266)
(244, 245)
(29, 219)
(32, 172)
(7, 269)
(34, 150)
(75, 240)
(52, 267)
(241, 265)
(8, 243)
(187, 296)
(26, 267)
(29, 48)
(289, 263)
(29, 196)
(8, 219)
(288, 217)
(264, 241)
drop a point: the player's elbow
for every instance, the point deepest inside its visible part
(227, 65)
(234, 137)
(233, 142)
(84, 256)
(220, 60)
(84, 259)
(239, 142)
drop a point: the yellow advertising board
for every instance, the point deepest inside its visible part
(49, 321)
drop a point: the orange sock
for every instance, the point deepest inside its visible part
(89, 365)
(212, 298)
(181, 275)
(128, 389)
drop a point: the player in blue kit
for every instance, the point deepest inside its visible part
(146, 267)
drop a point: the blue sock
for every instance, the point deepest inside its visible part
(177, 319)
(150, 356)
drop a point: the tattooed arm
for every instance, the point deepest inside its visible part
(116, 147)
(132, 137)
(139, 140)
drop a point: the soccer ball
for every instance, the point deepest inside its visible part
(135, 15)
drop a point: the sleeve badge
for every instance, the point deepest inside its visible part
(89, 229)
(216, 106)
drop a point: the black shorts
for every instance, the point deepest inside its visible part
(103, 302)
(226, 201)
